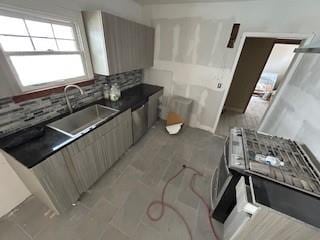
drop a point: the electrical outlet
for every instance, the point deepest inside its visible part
(219, 85)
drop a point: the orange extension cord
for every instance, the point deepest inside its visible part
(164, 204)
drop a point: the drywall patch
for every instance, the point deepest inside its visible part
(165, 39)
(212, 101)
(187, 39)
(205, 100)
(194, 40)
(223, 56)
(179, 89)
(176, 35)
(207, 38)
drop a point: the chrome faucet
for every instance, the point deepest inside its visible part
(66, 95)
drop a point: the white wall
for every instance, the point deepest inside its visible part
(279, 60)
(191, 54)
(12, 191)
(295, 110)
(123, 8)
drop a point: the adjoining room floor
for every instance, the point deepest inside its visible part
(250, 119)
(115, 207)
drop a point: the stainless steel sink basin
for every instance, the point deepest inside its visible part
(82, 121)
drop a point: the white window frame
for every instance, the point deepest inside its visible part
(42, 18)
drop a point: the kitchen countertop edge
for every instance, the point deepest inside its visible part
(21, 154)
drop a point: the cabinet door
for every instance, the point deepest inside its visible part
(116, 37)
(153, 108)
(129, 45)
(82, 165)
(126, 124)
(119, 139)
(54, 176)
(112, 151)
(96, 40)
(100, 156)
(149, 46)
(86, 167)
(127, 134)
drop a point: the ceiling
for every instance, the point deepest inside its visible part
(184, 1)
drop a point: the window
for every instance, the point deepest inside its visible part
(41, 52)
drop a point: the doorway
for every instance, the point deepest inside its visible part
(259, 73)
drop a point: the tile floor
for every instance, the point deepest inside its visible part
(115, 207)
(250, 119)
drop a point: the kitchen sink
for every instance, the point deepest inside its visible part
(84, 120)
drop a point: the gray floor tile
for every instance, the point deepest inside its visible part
(112, 233)
(10, 231)
(91, 197)
(90, 228)
(174, 168)
(145, 232)
(107, 180)
(125, 184)
(32, 216)
(93, 224)
(130, 214)
(144, 160)
(99, 189)
(186, 195)
(250, 119)
(64, 226)
(153, 175)
(103, 211)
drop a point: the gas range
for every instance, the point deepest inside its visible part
(295, 169)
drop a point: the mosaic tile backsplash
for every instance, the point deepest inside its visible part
(17, 116)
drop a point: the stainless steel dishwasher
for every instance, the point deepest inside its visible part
(139, 121)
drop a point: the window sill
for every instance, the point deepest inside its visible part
(48, 91)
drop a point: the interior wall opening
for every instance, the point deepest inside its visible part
(259, 74)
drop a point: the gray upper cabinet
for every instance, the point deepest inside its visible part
(116, 44)
(8, 86)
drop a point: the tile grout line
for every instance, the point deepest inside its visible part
(25, 232)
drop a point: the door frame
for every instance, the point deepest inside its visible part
(306, 39)
(276, 41)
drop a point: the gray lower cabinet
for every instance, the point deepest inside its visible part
(59, 180)
(50, 181)
(89, 162)
(153, 107)
(56, 180)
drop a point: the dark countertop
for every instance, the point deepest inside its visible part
(35, 151)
